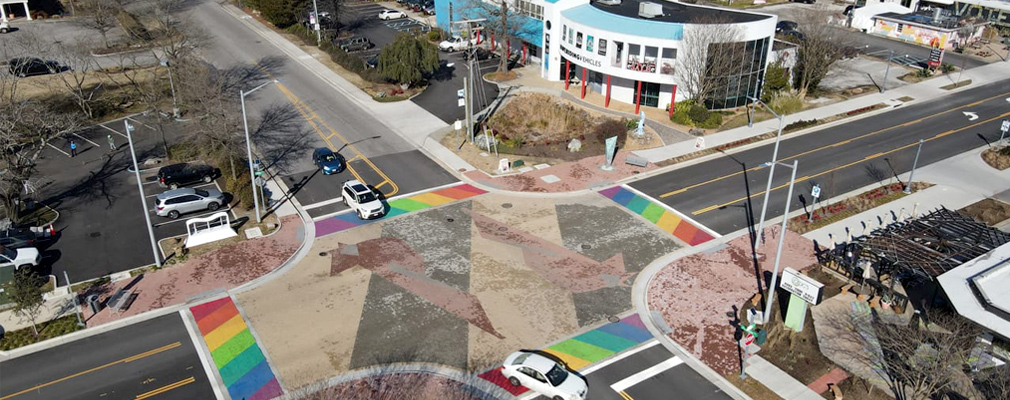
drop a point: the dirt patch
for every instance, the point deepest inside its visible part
(997, 157)
(501, 77)
(398, 386)
(989, 211)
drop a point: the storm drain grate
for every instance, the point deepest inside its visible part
(506, 205)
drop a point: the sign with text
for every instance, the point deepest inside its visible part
(801, 285)
(1005, 127)
(576, 55)
(815, 192)
(935, 58)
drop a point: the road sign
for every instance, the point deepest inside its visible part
(1005, 127)
(461, 97)
(699, 143)
(815, 192)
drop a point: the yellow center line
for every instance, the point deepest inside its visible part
(840, 143)
(100, 367)
(165, 388)
(625, 395)
(864, 159)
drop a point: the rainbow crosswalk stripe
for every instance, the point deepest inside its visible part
(238, 358)
(400, 206)
(657, 214)
(582, 350)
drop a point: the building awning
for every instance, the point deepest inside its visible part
(977, 290)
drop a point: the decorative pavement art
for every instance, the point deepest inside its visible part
(398, 207)
(668, 221)
(585, 349)
(238, 359)
(461, 285)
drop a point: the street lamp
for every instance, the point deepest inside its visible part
(782, 237)
(883, 85)
(171, 83)
(143, 198)
(248, 147)
(771, 173)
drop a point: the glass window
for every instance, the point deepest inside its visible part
(634, 57)
(571, 35)
(578, 40)
(666, 65)
(603, 47)
(651, 56)
(564, 33)
(589, 43)
(618, 54)
(742, 65)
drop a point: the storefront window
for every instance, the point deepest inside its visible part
(564, 33)
(651, 56)
(743, 78)
(634, 57)
(571, 35)
(589, 44)
(578, 40)
(603, 47)
(618, 54)
(668, 61)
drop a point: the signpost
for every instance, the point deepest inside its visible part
(804, 290)
(1003, 129)
(699, 143)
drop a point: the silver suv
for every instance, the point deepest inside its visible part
(174, 203)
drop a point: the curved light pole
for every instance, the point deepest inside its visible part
(771, 172)
(248, 147)
(782, 237)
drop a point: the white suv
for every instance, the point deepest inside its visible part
(364, 201)
(23, 257)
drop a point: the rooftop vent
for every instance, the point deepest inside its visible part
(649, 9)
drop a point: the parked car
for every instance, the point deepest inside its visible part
(609, 2)
(456, 43)
(16, 238)
(174, 203)
(5, 27)
(429, 9)
(362, 199)
(354, 43)
(373, 61)
(329, 161)
(20, 258)
(175, 175)
(786, 25)
(27, 66)
(797, 36)
(848, 9)
(388, 14)
(544, 376)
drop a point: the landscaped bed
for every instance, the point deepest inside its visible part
(997, 157)
(47, 330)
(834, 212)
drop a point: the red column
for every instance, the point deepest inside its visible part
(673, 100)
(583, 83)
(567, 71)
(492, 42)
(478, 36)
(524, 53)
(638, 97)
(606, 103)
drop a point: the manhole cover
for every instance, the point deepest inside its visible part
(614, 319)
(449, 219)
(502, 228)
(587, 246)
(506, 205)
(95, 234)
(322, 254)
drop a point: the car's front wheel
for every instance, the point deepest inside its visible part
(361, 214)
(213, 206)
(207, 179)
(173, 214)
(514, 381)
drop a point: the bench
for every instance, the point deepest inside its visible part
(636, 160)
(121, 301)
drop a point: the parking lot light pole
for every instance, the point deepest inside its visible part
(319, 38)
(143, 198)
(883, 85)
(782, 237)
(171, 84)
(248, 145)
(771, 172)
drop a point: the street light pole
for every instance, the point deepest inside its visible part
(143, 198)
(315, 10)
(771, 173)
(908, 187)
(248, 147)
(883, 85)
(171, 84)
(782, 237)
(77, 305)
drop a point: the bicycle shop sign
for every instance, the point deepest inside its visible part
(571, 54)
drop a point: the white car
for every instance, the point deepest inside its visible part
(542, 375)
(23, 257)
(388, 14)
(4, 27)
(456, 43)
(363, 200)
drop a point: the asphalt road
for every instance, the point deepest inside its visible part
(377, 156)
(648, 372)
(155, 359)
(717, 193)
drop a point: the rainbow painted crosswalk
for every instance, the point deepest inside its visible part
(398, 207)
(585, 349)
(236, 355)
(657, 214)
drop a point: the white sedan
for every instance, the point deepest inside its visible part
(388, 14)
(544, 376)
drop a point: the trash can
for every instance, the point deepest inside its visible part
(94, 303)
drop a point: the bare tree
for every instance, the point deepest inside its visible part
(80, 75)
(821, 47)
(502, 19)
(99, 15)
(711, 51)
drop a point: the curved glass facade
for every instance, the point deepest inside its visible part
(739, 70)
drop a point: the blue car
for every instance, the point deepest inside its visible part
(329, 161)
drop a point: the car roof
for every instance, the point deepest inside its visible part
(356, 186)
(538, 362)
(323, 150)
(176, 192)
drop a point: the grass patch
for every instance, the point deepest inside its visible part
(390, 99)
(989, 211)
(47, 330)
(905, 99)
(956, 85)
(88, 285)
(831, 213)
(42, 215)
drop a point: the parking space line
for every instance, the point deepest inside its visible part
(86, 140)
(113, 130)
(58, 149)
(139, 122)
(647, 373)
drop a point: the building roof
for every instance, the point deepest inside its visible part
(682, 13)
(977, 290)
(924, 20)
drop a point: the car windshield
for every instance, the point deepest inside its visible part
(366, 197)
(557, 375)
(202, 193)
(10, 254)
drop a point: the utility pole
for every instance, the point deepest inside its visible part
(315, 12)
(467, 108)
(883, 85)
(771, 172)
(908, 187)
(143, 198)
(778, 253)
(77, 306)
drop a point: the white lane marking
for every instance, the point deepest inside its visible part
(113, 130)
(58, 149)
(139, 122)
(647, 373)
(199, 348)
(323, 203)
(87, 140)
(619, 357)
